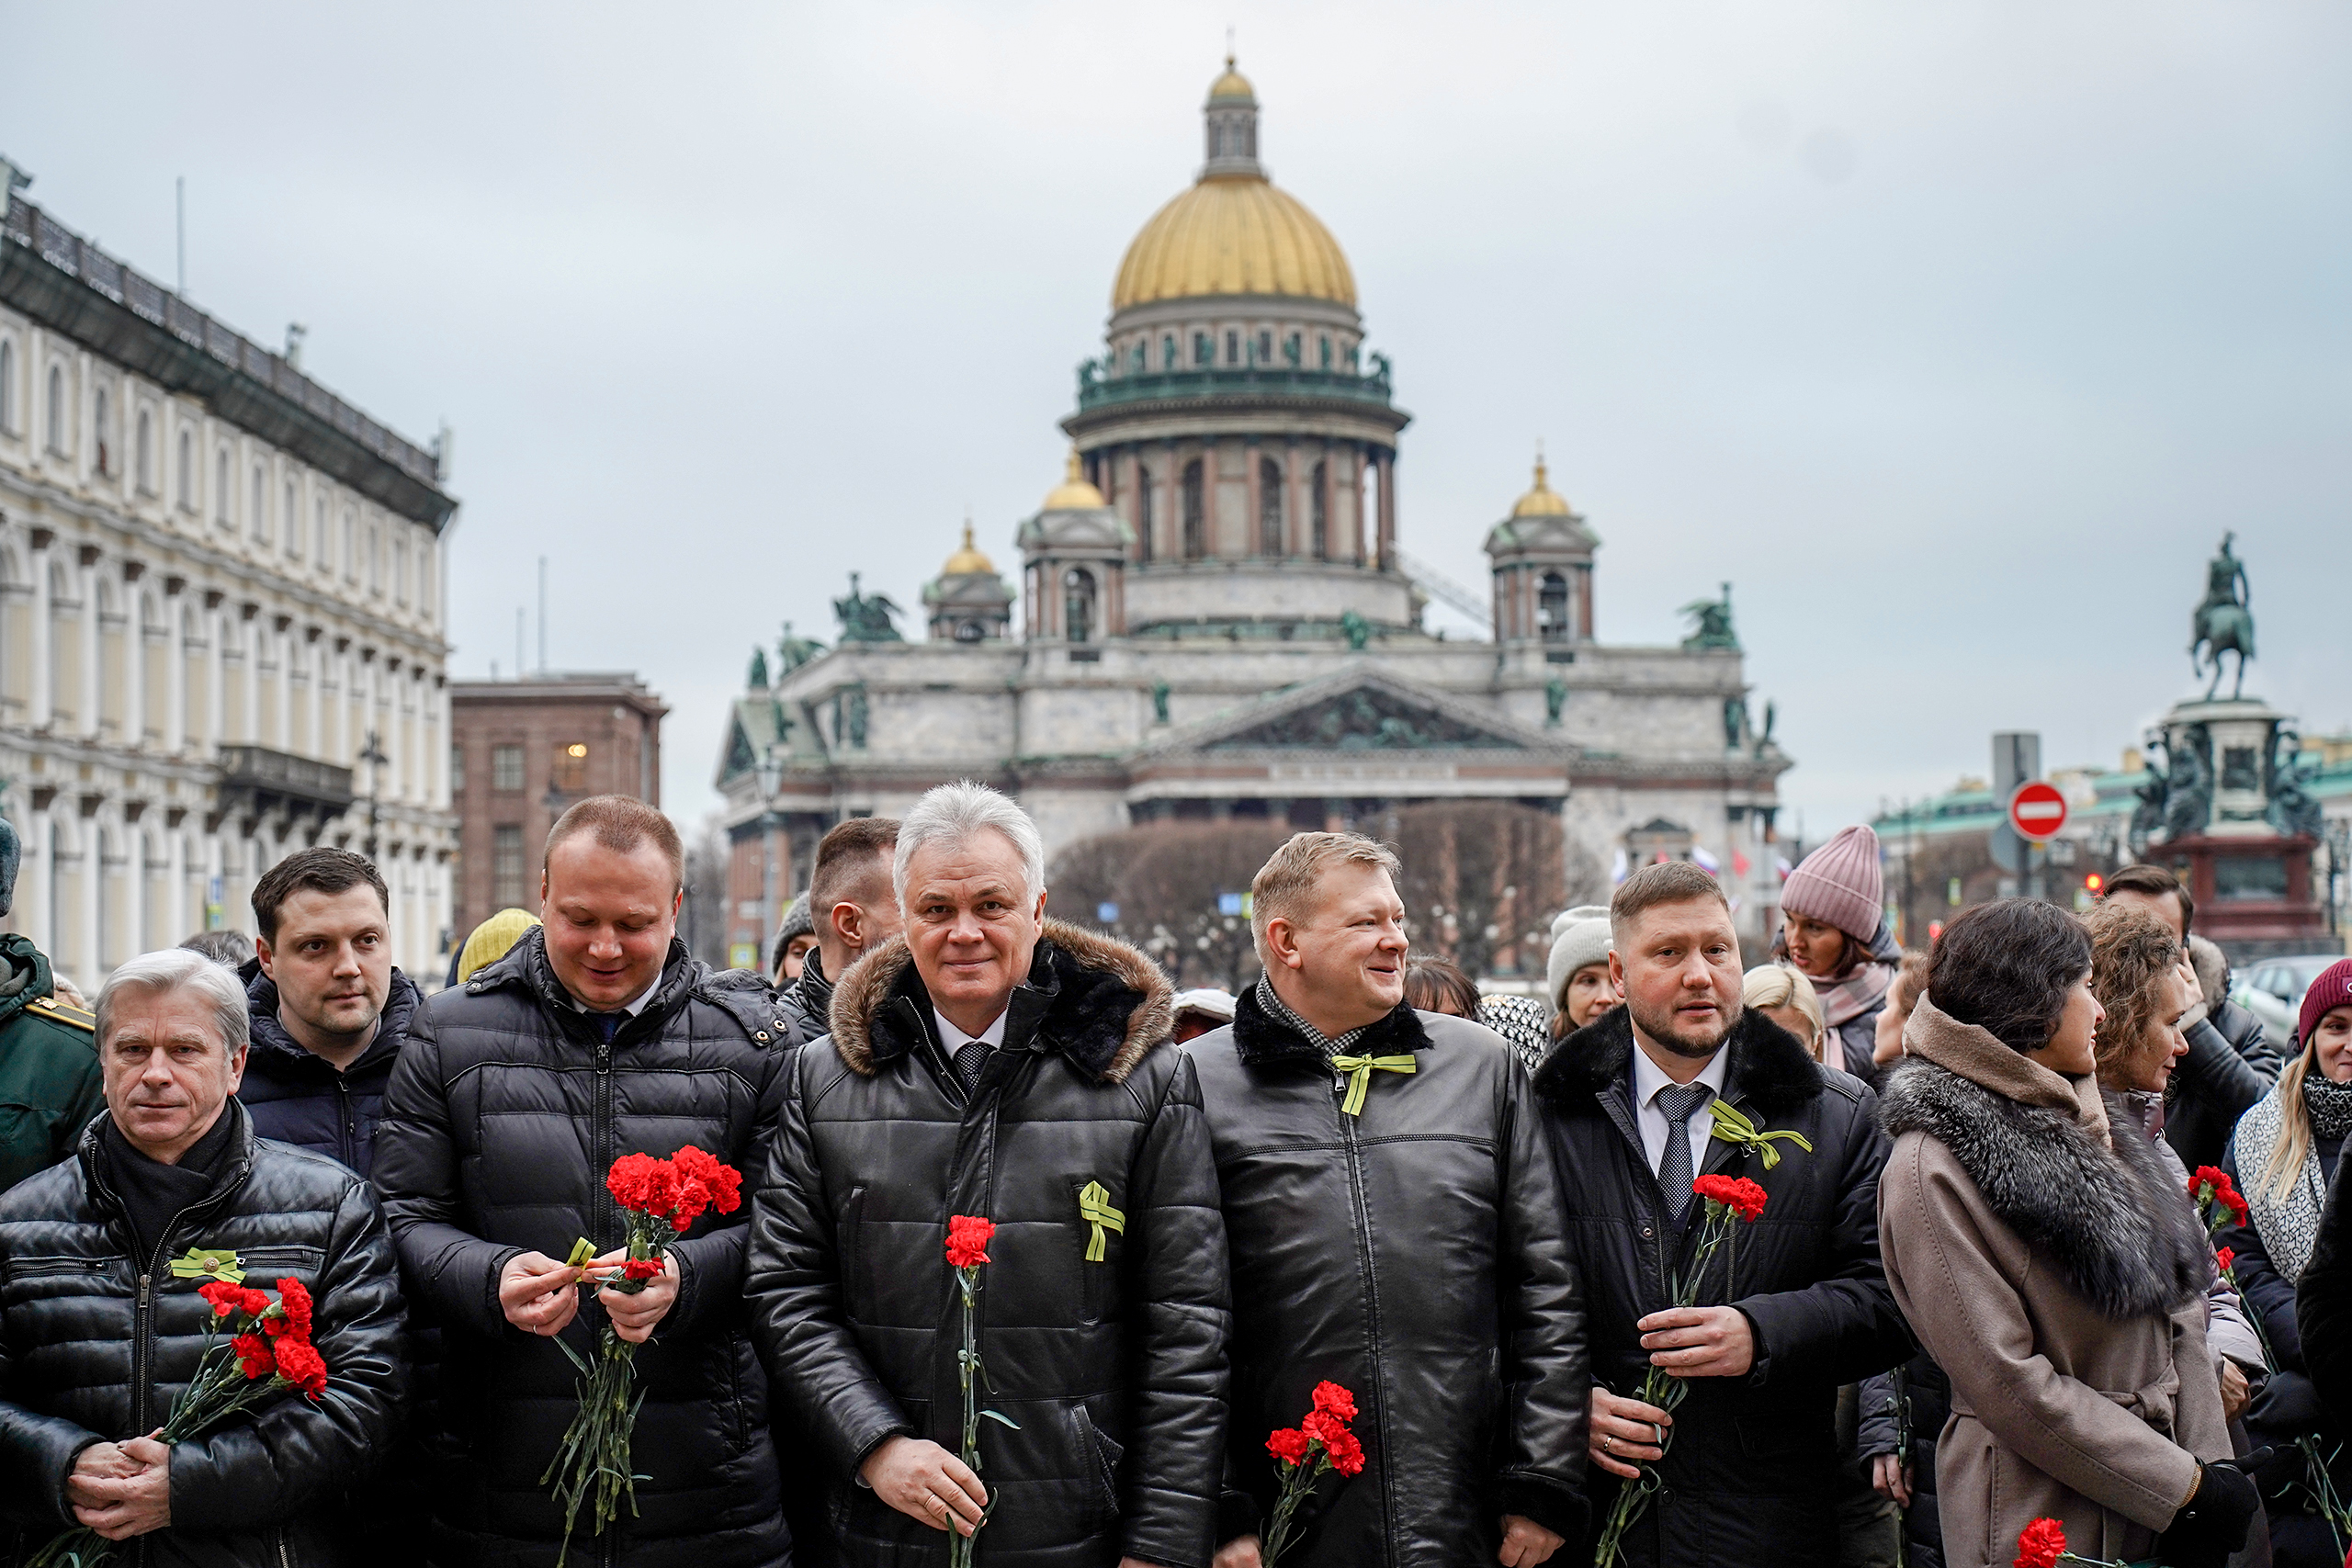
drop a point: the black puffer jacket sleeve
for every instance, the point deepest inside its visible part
(2324, 1300)
(292, 1452)
(1176, 1258)
(37, 1453)
(1845, 1325)
(793, 1283)
(416, 1162)
(1548, 1376)
(711, 1267)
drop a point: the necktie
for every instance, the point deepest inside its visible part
(1679, 1102)
(969, 1060)
(607, 1024)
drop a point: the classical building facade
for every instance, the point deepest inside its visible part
(221, 617)
(520, 752)
(1216, 620)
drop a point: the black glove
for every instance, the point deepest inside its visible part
(2215, 1524)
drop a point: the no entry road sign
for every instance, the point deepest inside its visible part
(2036, 811)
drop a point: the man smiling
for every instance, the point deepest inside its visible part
(1626, 1102)
(595, 1036)
(1394, 1228)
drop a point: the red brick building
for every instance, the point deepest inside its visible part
(520, 751)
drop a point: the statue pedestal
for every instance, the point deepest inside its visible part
(2224, 821)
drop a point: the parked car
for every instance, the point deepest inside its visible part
(2272, 989)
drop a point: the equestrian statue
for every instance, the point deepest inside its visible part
(2224, 622)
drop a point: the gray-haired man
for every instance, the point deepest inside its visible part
(995, 1064)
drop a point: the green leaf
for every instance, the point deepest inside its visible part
(1000, 1416)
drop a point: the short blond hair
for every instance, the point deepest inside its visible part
(1285, 885)
(1778, 985)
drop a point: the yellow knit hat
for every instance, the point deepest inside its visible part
(491, 938)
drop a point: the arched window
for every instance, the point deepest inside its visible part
(1326, 352)
(7, 386)
(1265, 345)
(145, 456)
(1552, 608)
(98, 422)
(1077, 604)
(318, 532)
(424, 577)
(259, 520)
(1135, 359)
(1318, 514)
(1232, 346)
(1204, 351)
(1270, 507)
(350, 544)
(375, 560)
(186, 475)
(1196, 542)
(221, 487)
(1291, 353)
(1168, 351)
(293, 522)
(57, 409)
(1143, 514)
(400, 571)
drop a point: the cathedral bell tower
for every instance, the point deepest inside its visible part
(1074, 560)
(1542, 563)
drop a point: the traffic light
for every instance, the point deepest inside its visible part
(2093, 884)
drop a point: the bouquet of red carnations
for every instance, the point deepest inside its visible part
(269, 1353)
(1321, 1441)
(1730, 1201)
(662, 1197)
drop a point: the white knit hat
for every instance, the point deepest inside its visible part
(1580, 936)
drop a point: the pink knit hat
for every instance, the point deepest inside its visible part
(2332, 989)
(1840, 885)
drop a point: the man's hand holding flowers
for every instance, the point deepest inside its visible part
(123, 1490)
(1700, 1342)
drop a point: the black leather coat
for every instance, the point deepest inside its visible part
(296, 1098)
(2324, 1300)
(1414, 1255)
(96, 1344)
(1753, 1459)
(504, 1114)
(1115, 1370)
(2229, 1067)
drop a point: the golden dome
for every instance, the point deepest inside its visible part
(1543, 501)
(967, 562)
(1233, 234)
(1232, 85)
(1073, 494)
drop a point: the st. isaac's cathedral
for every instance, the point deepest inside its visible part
(1214, 618)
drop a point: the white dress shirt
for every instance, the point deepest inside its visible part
(1647, 1080)
(956, 1039)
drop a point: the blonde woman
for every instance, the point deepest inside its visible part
(2283, 1158)
(1788, 999)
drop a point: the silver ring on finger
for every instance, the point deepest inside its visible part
(1608, 1445)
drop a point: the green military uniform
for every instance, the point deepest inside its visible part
(49, 1085)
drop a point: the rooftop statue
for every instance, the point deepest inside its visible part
(866, 617)
(2224, 622)
(792, 652)
(1711, 622)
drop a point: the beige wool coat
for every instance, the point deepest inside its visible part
(2060, 1282)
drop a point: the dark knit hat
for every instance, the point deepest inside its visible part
(2332, 989)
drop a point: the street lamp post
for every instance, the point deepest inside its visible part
(769, 776)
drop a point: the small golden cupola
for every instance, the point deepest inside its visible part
(968, 602)
(1541, 501)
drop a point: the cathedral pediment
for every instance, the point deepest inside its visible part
(1361, 711)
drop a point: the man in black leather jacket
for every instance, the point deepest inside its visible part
(997, 1064)
(1753, 1457)
(2229, 1065)
(97, 1335)
(853, 911)
(597, 1035)
(1394, 1225)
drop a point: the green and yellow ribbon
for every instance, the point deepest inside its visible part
(208, 1263)
(1359, 1070)
(1732, 1126)
(1094, 1207)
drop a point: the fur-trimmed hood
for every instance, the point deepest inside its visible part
(1770, 1068)
(2102, 1209)
(1093, 998)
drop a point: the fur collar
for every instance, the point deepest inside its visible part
(1093, 998)
(2103, 1211)
(1770, 1069)
(1262, 1040)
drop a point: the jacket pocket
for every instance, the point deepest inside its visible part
(854, 1295)
(273, 1260)
(1102, 1453)
(1094, 1280)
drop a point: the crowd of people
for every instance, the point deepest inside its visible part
(1858, 1256)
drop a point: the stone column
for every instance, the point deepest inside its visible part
(34, 879)
(1355, 523)
(1388, 510)
(175, 725)
(1294, 502)
(93, 694)
(216, 626)
(1253, 504)
(44, 630)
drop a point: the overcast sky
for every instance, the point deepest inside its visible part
(1953, 334)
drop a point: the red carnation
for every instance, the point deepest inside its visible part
(1347, 1454)
(223, 1296)
(967, 1240)
(641, 1268)
(2223, 1259)
(1324, 1427)
(1330, 1398)
(722, 1182)
(2040, 1544)
(1740, 1195)
(300, 1363)
(254, 1356)
(1288, 1445)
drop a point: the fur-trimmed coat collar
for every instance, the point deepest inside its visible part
(2102, 1209)
(1262, 1039)
(1770, 1068)
(1095, 999)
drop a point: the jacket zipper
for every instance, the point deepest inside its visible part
(600, 1138)
(346, 1135)
(1371, 1288)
